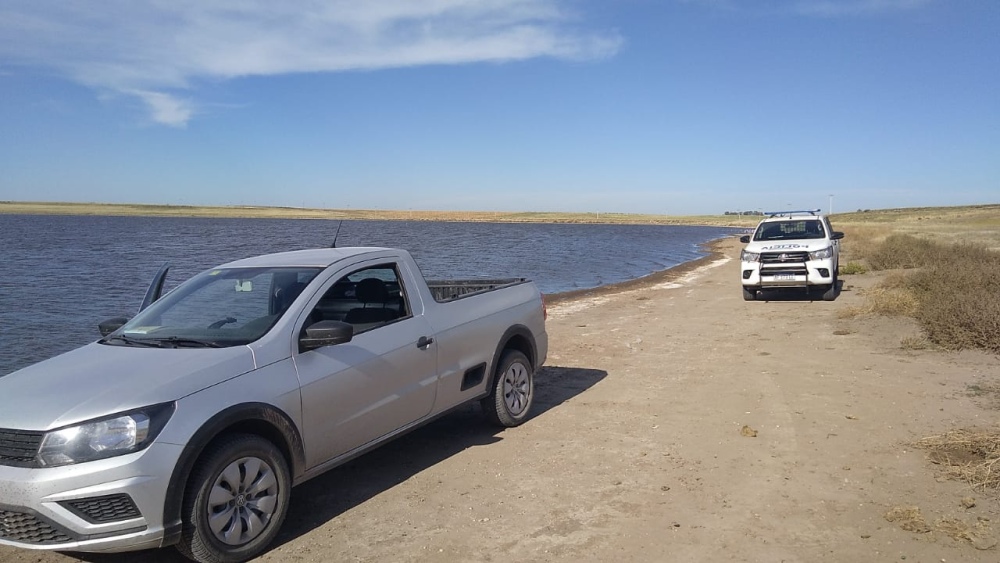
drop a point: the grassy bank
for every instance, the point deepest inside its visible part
(977, 224)
(46, 208)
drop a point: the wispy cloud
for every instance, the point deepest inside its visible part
(166, 108)
(158, 50)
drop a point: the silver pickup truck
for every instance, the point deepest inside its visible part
(189, 424)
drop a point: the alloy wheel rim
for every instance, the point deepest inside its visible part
(516, 388)
(242, 501)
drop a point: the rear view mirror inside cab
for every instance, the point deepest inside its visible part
(244, 285)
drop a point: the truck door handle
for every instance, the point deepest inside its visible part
(424, 342)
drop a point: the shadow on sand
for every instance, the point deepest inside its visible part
(795, 294)
(320, 500)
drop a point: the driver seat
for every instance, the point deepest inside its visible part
(370, 291)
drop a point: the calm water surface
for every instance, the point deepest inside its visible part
(61, 275)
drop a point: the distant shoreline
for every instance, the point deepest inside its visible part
(260, 212)
(714, 250)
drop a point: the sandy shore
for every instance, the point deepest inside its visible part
(675, 422)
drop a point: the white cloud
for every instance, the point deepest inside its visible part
(165, 108)
(152, 49)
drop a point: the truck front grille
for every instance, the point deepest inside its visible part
(25, 528)
(783, 257)
(18, 447)
(109, 508)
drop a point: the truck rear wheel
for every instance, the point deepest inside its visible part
(513, 390)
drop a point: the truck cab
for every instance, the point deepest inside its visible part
(791, 249)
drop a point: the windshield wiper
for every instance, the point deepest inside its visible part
(179, 342)
(130, 341)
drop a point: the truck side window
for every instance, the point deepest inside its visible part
(366, 298)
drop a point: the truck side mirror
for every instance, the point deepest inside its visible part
(836, 235)
(745, 239)
(325, 333)
(111, 325)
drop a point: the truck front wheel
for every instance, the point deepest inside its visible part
(513, 390)
(831, 293)
(749, 294)
(236, 500)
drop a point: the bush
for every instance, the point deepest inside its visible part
(959, 298)
(891, 301)
(852, 268)
(953, 292)
(902, 251)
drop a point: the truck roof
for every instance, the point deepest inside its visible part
(798, 214)
(320, 257)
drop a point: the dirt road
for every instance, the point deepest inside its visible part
(675, 422)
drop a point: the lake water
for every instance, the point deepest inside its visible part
(61, 275)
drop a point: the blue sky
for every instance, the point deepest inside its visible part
(647, 106)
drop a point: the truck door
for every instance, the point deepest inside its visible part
(383, 379)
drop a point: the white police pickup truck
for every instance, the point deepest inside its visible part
(189, 424)
(791, 249)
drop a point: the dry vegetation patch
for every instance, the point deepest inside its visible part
(970, 455)
(952, 290)
(911, 519)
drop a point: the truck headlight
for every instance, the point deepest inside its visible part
(822, 254)
(106, 437)
(749, 256)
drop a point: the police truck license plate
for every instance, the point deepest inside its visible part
(784, 277)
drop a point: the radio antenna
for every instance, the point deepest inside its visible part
(337, 234)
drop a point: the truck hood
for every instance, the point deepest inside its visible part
(787, 245)
(98, 380)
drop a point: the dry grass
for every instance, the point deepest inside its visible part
(911, 519)
(968, 455)
(915, 343)
(45, 208)
(979, 534)
(889, 301)
(952, 290)
(976, 224)
(853, 269)
(908, 518)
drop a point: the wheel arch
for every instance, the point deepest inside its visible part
(517, 337)
(259, 419)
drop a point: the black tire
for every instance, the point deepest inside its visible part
(831, 293)
(749, 294)
(509, 403)
(253, 474)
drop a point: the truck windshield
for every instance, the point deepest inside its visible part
(221, 307)
(790, 230)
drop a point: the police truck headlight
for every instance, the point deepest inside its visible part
(822, 254)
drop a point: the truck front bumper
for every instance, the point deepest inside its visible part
(799, 274)
(108, 505)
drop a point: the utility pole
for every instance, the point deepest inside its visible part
(831, 204)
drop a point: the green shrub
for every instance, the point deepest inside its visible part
(852, 268)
